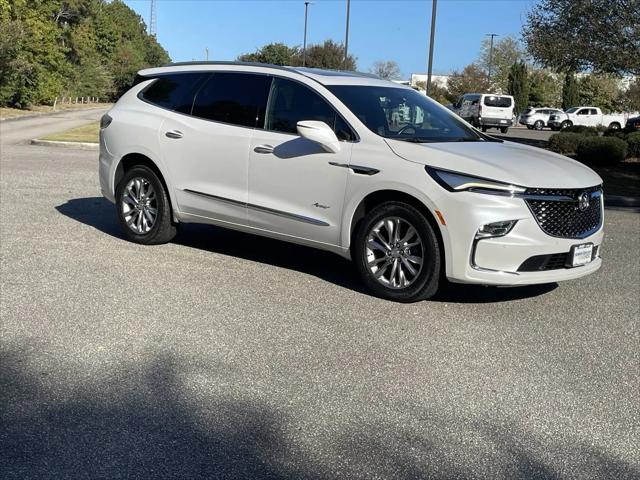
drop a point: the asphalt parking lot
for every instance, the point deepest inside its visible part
(224, 355)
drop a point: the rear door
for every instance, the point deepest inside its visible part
(295, 186)
(497, 106)
(208, 150)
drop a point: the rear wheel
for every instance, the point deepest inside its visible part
(504, 129)
(143, 207)
(397, 254)
(484, 129)
(539, 125)
(566, 124)
(614, 126)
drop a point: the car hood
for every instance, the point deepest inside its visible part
(507, 162)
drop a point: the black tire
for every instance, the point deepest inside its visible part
(614, 126)
(566, 124)
(504, 129)
(555, 129)
(425, 283)
(484, 129)
(163, 229)
(529, 127)
(539, 125)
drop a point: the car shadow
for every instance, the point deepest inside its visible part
(154, 420)
(98, 213)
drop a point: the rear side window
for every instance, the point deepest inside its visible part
(236, 98)
(174, 92)
(292, 102)
(497, 101)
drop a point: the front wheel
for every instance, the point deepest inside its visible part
(539, 125)
(504, 129)
(143, 207)
(397, 254)
(566, 124)
(614, 126)
(484, 129)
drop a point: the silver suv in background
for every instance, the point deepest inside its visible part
(537, 118)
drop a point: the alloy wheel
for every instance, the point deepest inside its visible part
(139, 205)
(395, 252)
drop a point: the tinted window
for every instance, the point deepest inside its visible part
(292, 102)
(237, 98)
(403, 114)
(497, 101)
(174, 92)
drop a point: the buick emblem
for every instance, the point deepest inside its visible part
(583, 201)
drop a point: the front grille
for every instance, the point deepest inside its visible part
(558, 214)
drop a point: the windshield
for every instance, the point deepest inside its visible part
(571, 110)
(403, 114)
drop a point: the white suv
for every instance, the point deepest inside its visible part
(538, 118)
(349, 163)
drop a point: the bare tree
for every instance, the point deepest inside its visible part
(386, 69)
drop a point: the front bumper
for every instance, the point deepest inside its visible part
(498, 260)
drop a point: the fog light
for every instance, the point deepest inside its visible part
(496, 229)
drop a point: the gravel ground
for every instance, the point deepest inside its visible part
(224, 355)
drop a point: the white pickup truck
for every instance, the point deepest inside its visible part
(588, 117)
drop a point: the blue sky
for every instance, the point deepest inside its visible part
(380, 29)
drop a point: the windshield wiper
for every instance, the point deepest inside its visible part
(415, 139)
(467, 139)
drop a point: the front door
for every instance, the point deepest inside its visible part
(295, 187)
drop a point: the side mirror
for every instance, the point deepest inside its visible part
(320, 133)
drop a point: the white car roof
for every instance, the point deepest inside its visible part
(324, 77)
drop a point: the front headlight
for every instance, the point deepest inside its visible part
(460, 182)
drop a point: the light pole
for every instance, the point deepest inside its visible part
(490, 55)
(304, 47)
(433, 34)
(346, 35)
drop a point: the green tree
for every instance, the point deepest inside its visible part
(629, 100)
(519, 85)
(579, 35)
(329, 55)
(472, 79)
(388, 69)
(600, 91)
(76, 47)
(275, 54)
(570, 92)
(545, 90)
(506, 52)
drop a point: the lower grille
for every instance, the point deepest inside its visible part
(554, 261)
(566, 213)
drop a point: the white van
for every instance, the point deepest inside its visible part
(486, 110)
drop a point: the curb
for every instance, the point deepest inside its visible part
(50, 114)
(620, 201)
(55, 143)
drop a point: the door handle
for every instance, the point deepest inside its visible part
(174, 134)
(263, 149)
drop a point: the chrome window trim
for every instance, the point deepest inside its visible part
(210, 73)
